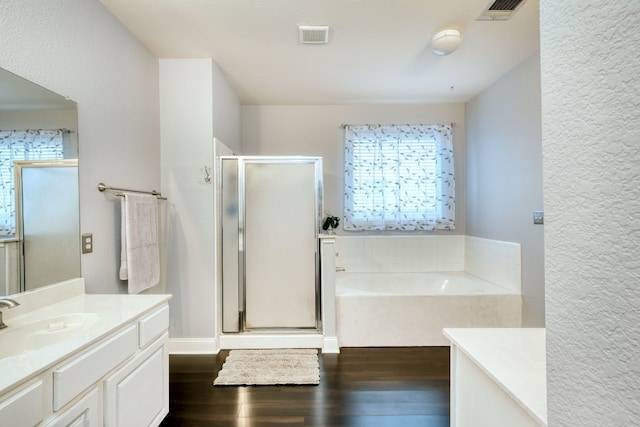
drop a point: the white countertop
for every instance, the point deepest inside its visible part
(515, 358)
(112, 311)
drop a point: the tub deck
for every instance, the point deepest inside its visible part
(432, 283)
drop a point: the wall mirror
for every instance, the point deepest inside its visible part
(39, 209)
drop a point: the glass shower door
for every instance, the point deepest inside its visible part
(48, 220)
(280, 245)
(271, 210)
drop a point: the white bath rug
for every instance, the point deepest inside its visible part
(270, 367)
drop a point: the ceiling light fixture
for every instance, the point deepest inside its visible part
(445, 42)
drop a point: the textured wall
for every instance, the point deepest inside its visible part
(504, 174)
(591, 167)
(78, 49)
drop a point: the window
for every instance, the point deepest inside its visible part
(22, 145)
(399, 177)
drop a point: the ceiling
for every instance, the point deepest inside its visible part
(378, 51)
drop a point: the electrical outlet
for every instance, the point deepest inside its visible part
(538, 217)
(87, 243)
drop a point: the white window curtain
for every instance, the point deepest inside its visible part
(399, 177)
(22, 145)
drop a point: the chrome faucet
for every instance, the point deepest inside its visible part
(8, 303)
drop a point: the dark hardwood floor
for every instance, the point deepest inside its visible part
(380, 387)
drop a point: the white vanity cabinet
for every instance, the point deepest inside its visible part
(119, 378)
(137, 394)
(130, 368)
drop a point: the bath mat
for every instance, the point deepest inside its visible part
(270, 367)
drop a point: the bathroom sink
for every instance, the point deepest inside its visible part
(43, 333)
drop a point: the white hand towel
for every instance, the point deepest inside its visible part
(140, 253)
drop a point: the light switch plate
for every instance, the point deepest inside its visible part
(87, 243)
(538, 217)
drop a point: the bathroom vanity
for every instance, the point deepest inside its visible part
(68, 358)
(498, 377)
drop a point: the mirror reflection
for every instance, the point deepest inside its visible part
(38, 131)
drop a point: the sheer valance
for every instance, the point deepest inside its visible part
(399, 177)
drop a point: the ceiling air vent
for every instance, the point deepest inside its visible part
(500, 10)
(314, 34)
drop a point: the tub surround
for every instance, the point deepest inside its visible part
(401, 320)
(120, 334)
(498, 377)
(411, 287)
(328, 293)
(395, 254)
(495, 261)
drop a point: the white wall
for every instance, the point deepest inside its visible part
(78, 49)
(504, 174)
(196, 104)
(591, 137)
(227, 111)
(39, 119)
(316, 131)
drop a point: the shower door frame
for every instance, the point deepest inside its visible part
(234, 269)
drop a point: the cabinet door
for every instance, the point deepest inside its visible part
(138, 393)
(82, 414)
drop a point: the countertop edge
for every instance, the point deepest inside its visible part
(458, 341)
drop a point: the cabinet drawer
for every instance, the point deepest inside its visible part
(24, 408)
(153, 325)
(74, 377)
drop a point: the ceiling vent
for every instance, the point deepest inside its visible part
(500, 10)
(314, 34)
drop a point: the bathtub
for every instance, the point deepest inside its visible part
(411, 309)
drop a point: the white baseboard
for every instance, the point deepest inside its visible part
(193, 346)
(250, 341)
(330, 345)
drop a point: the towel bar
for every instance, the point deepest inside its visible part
(117, 191)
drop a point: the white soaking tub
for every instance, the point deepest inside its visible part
(411, 309)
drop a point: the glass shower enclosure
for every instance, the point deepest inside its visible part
(271, 211)
(47, 221)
